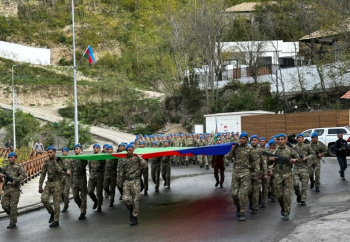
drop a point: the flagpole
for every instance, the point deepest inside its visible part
(83, 55)
(76, 135)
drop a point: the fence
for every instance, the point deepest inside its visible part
(293, 123)
(33, 167)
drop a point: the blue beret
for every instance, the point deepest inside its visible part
(142, 142)
(51, 148)
(96, 145)
(78, 146)
(105, 145)
(65, 149)
(274, 137)
(314, 134)
(145, 136)
(154, 143)
(166, 141)
(201, 137)
(281, 135)
(244, 134)
(262, 138)
(132, 142)
(109, 147)
(129, 146)
(271, 142)
(298, 135)
(12, 154)
(254, 136)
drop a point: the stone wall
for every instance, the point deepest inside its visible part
(8, 8)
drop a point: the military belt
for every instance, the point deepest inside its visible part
(53, 179)
(132, 178)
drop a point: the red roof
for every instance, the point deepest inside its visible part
(346, 95)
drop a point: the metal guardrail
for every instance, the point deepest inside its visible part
(33, 167)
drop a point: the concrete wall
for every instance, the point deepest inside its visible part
(21, 53)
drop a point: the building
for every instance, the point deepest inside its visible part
(228, 122)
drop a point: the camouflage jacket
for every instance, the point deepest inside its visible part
(319, 148)
(17, 173)
(306, 151)
(97, 166)
(129, 169)
(261, 160)
(52, 169)
(111, 166)
(78, 169)
(288, 153)
(245, 159)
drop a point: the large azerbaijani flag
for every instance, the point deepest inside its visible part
(147, 153)
(89, 55)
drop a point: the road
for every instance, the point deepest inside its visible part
(194, 210)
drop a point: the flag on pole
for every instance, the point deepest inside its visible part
(89, 55)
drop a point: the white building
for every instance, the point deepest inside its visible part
(228, 122)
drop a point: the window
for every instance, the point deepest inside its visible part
(307, 133)
(319, 131)
(336, 131)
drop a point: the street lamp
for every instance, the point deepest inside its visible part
(14, 110)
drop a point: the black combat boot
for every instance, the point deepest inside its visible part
(238, 213)
(145, 192)
(54, 224)
(95, 205)
(120, 198)
(133, 221)
(131, 217)
(207, 167)
(255, 211)
(10, 226)
(164, 184)
(303, 203)
(298, 199)
(157, 189)
(65, 208)
(216, 184)
(99, 209)
(111, 205)
(312, 185)
(51, 218)
(82, 216)
(286, 217)
(317, 189)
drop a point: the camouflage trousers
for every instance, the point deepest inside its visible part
(9, 202)
(79, 191)
(271, 185)
(283, 190)
(65, 189)
(255, 191)
(131, 196)
(300, 182)
(109, 184)
(265, 189)
(315, 173)
(155, 173)
(203, 160)
(240, 187)
(96, 182)
(54, 189)
(166, 172)
(144, 174)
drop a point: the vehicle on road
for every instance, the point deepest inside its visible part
(328, 136)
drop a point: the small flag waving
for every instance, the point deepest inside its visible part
(89, 55)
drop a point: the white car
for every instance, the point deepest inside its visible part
(328, 136)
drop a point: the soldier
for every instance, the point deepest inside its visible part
(271, 170)
(54, 168)
(315, 166)
(144, 173)
(110, 179)
(11, 195)
(256, 176)
(283, 175)
(166, 167)
(79, 182)
(155, 168)
(129, 179)
(244, 162)
(301, 169)
(65, 181)
(218, 165)
(264, 181)
(97, 169)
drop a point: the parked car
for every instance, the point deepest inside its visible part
(328, 136)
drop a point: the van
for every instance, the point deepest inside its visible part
(328, 136)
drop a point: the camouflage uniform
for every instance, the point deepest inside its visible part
(315, 164)
(301, 170)
(79, 183)
(245, 161)
(11, 195)
(283, 178)
(53, 185)
(155, 170)
(65, 183)
(129, 173)
(166, 169)
(256, 181)
(96, 180)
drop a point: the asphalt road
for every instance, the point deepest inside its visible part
(192, 210)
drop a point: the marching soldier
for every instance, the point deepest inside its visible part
(166, 167)
(110, 178)
(129, 179)
(97, 169)
(315, 167)
(245, 161)
(79, 181)
(155, 168)
(11, 195)
(301, 169)
(65, 181)
(53, 185)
